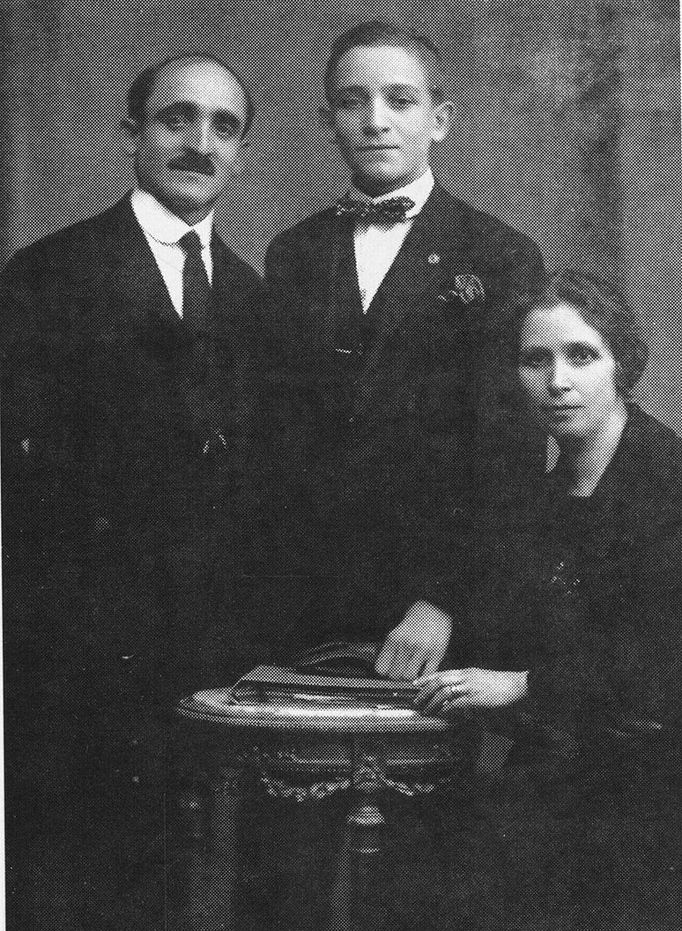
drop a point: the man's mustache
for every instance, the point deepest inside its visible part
(193, 161)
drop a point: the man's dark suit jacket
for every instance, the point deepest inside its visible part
(127, 457)
(132, 484)
(409, 408)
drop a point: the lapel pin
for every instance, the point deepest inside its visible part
(434, 259)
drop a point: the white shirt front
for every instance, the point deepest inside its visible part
(163, 230)
(377, 244)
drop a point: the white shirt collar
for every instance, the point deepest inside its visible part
(418, 191)
(163, 225)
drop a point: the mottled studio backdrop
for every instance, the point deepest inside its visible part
(568, 125)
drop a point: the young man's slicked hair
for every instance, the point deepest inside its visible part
(143, 85)
(381, 33)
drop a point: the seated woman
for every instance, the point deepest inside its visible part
(577, 622)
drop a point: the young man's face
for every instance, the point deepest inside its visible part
(186, 147)
(384, 118)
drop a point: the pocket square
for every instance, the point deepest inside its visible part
(467, 288)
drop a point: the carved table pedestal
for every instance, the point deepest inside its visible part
(308, 757)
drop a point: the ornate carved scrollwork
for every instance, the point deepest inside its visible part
(417, 788)
(370, 776)
(369, 773)
(291, 771)
(314, 791)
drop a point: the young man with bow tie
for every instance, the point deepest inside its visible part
(396, 305)
(132, 362)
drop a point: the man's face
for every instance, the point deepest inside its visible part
(191, 136)
(384, 117)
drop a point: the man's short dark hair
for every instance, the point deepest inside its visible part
(381, 33)
(143, 85)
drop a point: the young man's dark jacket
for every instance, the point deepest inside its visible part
(406, 409)
(128, 452)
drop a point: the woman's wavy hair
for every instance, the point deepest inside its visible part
(604, 308)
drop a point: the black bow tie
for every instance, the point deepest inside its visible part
(393, 210)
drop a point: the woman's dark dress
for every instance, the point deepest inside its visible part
(586, 594)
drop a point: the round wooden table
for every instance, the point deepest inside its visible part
(308, 754)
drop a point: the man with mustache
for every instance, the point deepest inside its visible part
(396, 305)
(132, 368)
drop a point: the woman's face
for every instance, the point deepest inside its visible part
(568, 373)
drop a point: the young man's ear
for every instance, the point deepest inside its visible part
(130, 131)
(327, 120)
(443, 118)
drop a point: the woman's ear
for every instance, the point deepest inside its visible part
(621, 380)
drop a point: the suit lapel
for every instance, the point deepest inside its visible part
(421, 267)
(134, 274)
(332, 284)
(411, 272)
(223, 287)
(183, 362)
(347, 303)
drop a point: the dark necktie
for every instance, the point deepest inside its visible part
(389, 211)
(196, 289)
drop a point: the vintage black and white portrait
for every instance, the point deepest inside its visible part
(342, 465)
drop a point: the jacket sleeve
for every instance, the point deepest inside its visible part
(623, 658)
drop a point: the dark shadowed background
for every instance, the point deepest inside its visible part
(568, 125)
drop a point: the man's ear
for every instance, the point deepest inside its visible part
(238, 163)
(130, 131)
(327, 120)
(443, 118)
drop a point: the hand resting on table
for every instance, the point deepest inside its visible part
(441, 693)
(417, 645)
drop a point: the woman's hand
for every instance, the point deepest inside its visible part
(451, 689)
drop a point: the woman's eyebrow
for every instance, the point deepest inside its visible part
(352, 89)
(182, 107)
(535, 347)
(580, 344)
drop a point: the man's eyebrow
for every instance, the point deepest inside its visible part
(410, 88)
(363, 92)
(227, 116)
(188, 108)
